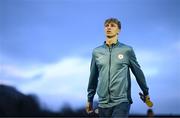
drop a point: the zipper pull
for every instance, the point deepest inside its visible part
(110, 48)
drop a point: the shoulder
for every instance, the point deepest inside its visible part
(125, 47)
(98, 49)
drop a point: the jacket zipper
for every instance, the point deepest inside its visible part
(110, 50)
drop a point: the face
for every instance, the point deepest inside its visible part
(111, 29)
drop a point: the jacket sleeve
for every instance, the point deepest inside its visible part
(139, 75)
(93, 80)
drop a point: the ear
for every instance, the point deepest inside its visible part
(118, 31)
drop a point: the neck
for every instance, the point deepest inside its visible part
(111, 40)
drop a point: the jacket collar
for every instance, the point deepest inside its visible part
(113, 45)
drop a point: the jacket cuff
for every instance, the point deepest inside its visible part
(90, 100)
(146, 93)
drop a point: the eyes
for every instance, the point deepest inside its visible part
(110, 25)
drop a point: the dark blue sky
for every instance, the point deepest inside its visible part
(40, 40)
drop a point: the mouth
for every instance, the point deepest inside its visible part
(108, 31)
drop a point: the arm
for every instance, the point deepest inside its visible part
(136, 70)
(92, 85)
(93, 80)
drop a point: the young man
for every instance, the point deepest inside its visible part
(110, 74)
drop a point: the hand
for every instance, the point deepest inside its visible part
(89, 107)
(146, 99)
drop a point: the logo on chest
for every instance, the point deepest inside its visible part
(120, 56)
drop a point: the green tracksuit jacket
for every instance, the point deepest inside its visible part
(110, 74)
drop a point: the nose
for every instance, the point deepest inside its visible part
(108, 28)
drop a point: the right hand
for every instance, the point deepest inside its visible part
(89, 107)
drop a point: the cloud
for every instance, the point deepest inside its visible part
(14, 71)
(150, 62)
(67, 77)
(60, 82)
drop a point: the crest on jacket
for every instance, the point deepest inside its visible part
(120, 56)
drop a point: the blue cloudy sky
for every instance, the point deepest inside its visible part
(46, 46)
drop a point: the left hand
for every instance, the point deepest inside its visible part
(146, 99)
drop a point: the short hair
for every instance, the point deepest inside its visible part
(113, 20)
